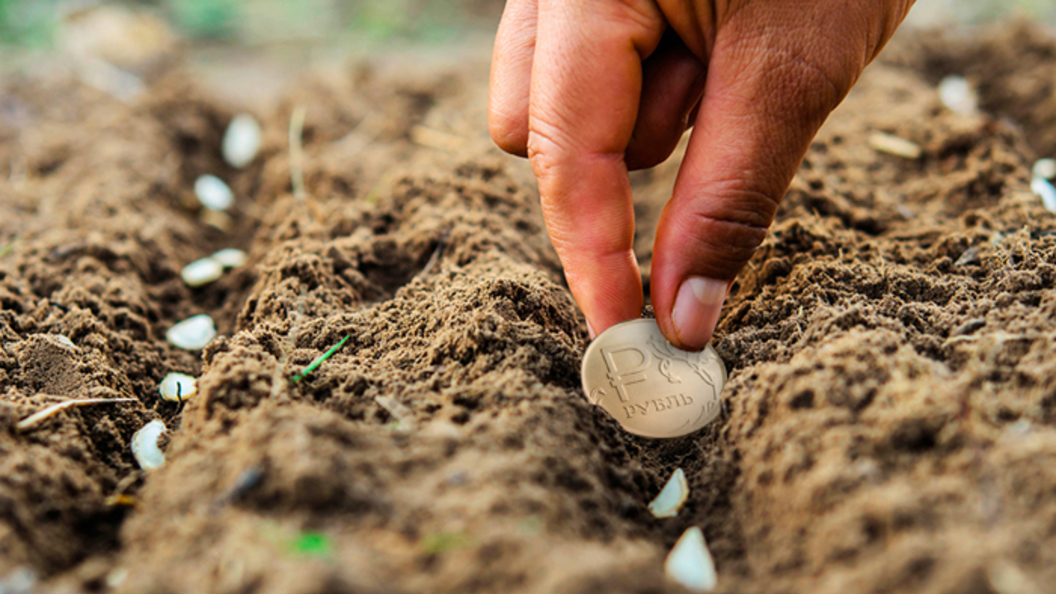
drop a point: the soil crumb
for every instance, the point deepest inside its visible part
(889, 424)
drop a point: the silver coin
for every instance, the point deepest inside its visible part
(651, 387)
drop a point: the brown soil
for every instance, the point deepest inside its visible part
(890, 420)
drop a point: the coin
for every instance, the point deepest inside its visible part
(651, 387)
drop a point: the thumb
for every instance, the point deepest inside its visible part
(764, 100)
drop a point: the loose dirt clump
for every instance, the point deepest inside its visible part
(888, 424)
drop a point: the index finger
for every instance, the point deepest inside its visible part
(585, 89)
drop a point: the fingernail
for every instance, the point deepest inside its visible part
(590, 331)
(697, 308)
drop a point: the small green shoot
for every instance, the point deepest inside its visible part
(312, 544)
(8, 247)
(319, 360)
(441, 542)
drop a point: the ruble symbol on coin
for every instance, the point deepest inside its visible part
(652, 388)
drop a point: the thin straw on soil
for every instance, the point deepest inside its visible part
(44, 414)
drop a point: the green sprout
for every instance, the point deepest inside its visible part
(319, 360)
(441, 542)
(312, 544)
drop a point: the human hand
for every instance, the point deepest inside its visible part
(588, 89)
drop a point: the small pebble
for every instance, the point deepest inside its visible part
(1044, 168)
(21, 580)
(893, 145)
(1044, 189)
(230, 257)
(213, 193)
(671, 497)
(192, 334)
(689, 563)
(145, 446)
(178, 387)
(241, 141)
(116, 577)
(202, 272)
(958, 95)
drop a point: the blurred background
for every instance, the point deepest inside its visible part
(39, 24)
(34, 25)
(251, 49)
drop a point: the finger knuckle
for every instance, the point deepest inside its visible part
(544, 150)
(732, 229)
(816, 81)
(508, 131)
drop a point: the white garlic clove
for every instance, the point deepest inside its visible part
(178, 387)
(1044, 189)
(241, 141)
(958, 95)
(1044, 168)
(230, 257)
(213, 193)
(671, 497)
(145, 446)
(689, 563)
(192, 334)
(202, 272)
(893, 145)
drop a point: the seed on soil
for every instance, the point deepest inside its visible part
(689, 563)
(178, 387)
(202, 272)
(893, 145)
(192, 334)
(241, 141)
(145, 445)
(65, 341)
(1044, 168)
(1044, 189)
(671, 497)
(958, 95)
(213, 193)
(230, 257)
